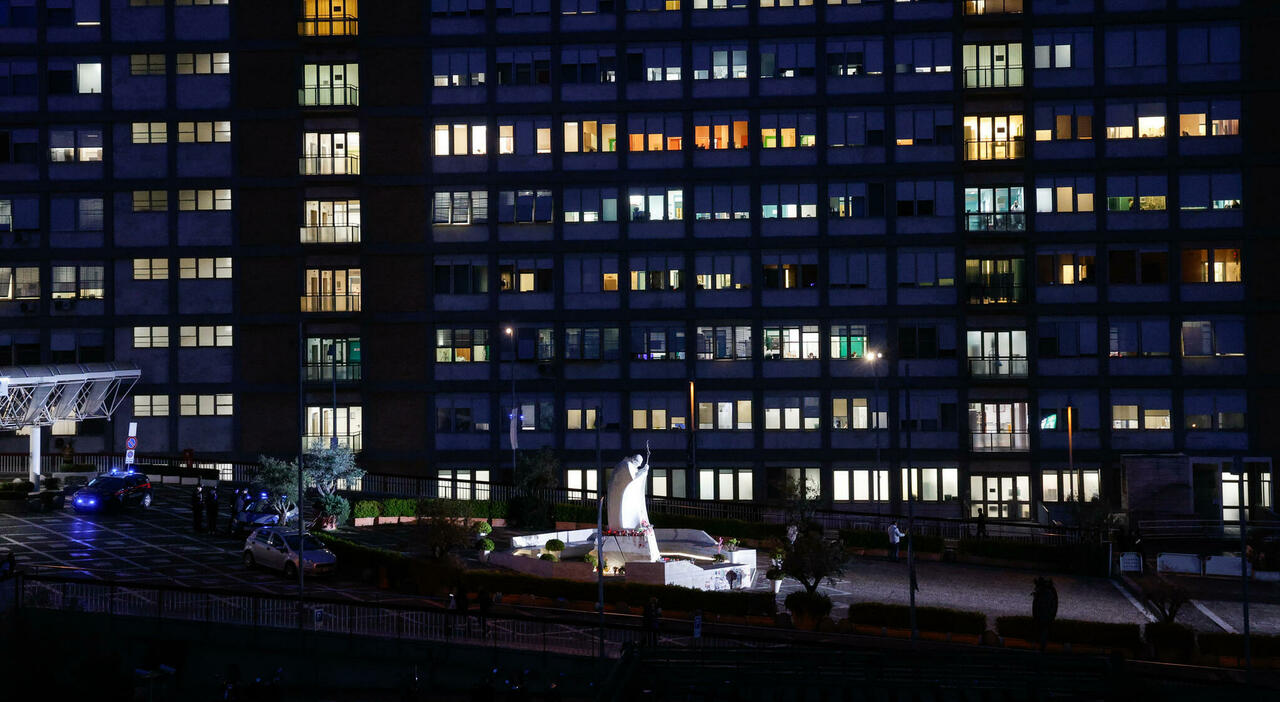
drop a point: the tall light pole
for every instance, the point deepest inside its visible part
(515, 405)
(333, 358)
(871, 358)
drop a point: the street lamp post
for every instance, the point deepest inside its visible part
(872, 357)
(515, 405)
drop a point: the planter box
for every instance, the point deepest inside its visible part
(365, 521)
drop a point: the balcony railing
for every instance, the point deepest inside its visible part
(329, 165)
(321, 371)
(1007, 366)
(996, 294)
(335, 26)
(329, 96)
(355, 442)
(337, 234)
(330, 303)
(992, 7)
(995, 222)
(1008, 441)
(980, 150)
(992, 77)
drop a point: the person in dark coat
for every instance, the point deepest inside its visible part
(197, 510)
(211, 508)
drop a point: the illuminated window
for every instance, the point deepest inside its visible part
(329, 18)
(993, 65)
(332, 290)
(458, 68)
(590, 136)
(790, 343)
(460, 207)
(725, 484)
(657, 273)
(788, 130)
(1146, 193)
(19, 283)
(856, 413)
(789, 201)
(524, 136)
(1211, 265)
(460, 139)
(993, 138)
(150, 132)
(791, 413)
(151, 337)
(1216, 117)
(659, 412)
(585, 205)
(328, 84)
(719, 62)
(726, 414)
(150, 269)
(151, 405)
(146, 64)
(1065, 267)
(330, 153)
(655, 204)
(860, 485)
(930, 484)
(150, 201)
(204, 336)
(462, 345)
(724, 343)
(712, 131)
(82, 145)
(204, 132)
(1064, 194)
(78, 282)
(789, 271)
(204, 268)
(1064, 122)
(330, 221)
(204, 200)
(655, 132)
(526, 275)
(204, 64)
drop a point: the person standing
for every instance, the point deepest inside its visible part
(895, 540)
(211, 508)
(197, 510)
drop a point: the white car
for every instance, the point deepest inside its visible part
(280, 549)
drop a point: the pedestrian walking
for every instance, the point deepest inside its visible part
(982, 523)
(197, 510)
(895, 540)
(238, 505)
(211, 508)
(484, 603)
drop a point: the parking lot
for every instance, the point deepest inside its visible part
(151, 545)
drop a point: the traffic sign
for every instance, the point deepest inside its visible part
(128, 457)
(131, 443)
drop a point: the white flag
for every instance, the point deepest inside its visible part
(515, 428)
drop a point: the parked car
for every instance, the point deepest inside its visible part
(113, 491)
(280, 549)
(259, 513)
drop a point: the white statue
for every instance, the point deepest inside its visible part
(628, 510)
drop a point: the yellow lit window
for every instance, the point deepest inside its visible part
(329, 18)
(1150, 127)
(1191, 125)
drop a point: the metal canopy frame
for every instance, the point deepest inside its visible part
(33, 397)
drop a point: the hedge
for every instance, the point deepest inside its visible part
(759, 531)
(1169, 637)
(364, 509)
(1102, 634)
(15, 489)
(447, 507)
(1064, 557)
(399, 507)
(669, 597)
(1222, 644)
(938, 619)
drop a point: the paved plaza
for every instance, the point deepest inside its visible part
(159, 546)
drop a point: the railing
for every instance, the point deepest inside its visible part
(996, 294)
(330, 303)
(992, 7)
(1006, 441)
(345, 372)
(986, 366)
(995, 221)
(985, 150)
(1160, 529)
(336, 26)
(336, 234)
(992, 77)
(329, 165)
(329, 96)
(355, 442)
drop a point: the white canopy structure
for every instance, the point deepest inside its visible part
(33, 397)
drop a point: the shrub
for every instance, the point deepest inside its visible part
(484, 528)
(335, 505)
(354, 558)
(1170, 637)
(1102, 634)
(590, 559)
(774, 574)
(574, 512)
(812, 605)
(399, 507)
(547, 557)
(555, 545)
(364, 509)
(15, 489)
(938, 619)
(485, 544)
(719, 558)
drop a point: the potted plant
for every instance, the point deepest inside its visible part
(733, 544)
(719, 558)
(554, 547)
(590, 559)
(483, 529)
(775, 576)
(486, 547)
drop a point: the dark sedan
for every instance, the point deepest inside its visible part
(111, 491)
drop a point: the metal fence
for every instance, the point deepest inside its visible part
(260, 611)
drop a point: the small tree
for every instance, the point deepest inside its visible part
(801, 503)
(280, 479)
(535, 478)
(325, 467)
(811, 559)
(1165, 597)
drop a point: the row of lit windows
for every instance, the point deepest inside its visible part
(216, 405)
(68, 283)
(188, 200)
(188, 132)
(189, 336)
(993, 426)
(188, 268)
(185, 64)
(794, 341)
